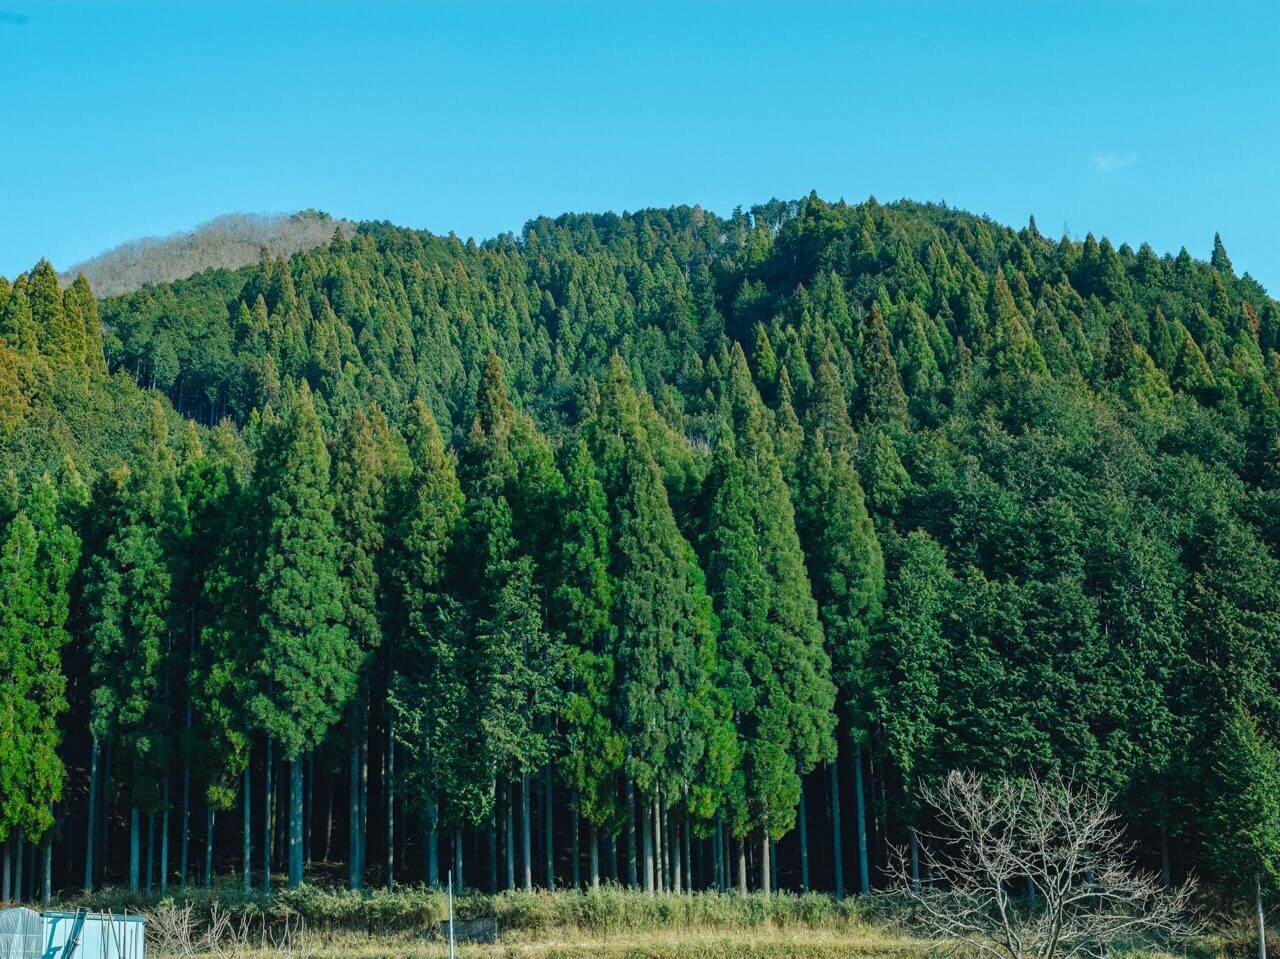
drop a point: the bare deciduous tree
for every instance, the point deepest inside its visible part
(1032, 869)
(228, 242)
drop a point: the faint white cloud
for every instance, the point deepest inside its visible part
(1106, 162)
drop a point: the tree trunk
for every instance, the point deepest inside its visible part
(594, 833)
(164, 841)
(46, 874)
(389, 781)
(493, 850)
(633, 880)
(208, 844)
(280, 816)
(309, 814)
(1165, 873)
(837, 842)
(804, 844)
(573, 831)
(864, 872)
(526, 835)
(717, 852)
(688, 862)
(103, 858)
(766, 867)
(353, 819)
(184, 841)
(362, 846)
(433, 847)
(655, 817)
(295, 822)
(646, 840)
(134, 852)
(662, 830)
(549, 826)
(247, 851)
(151, 849)
(268, 811)
(742, 866)
(677, 859)
(509, 831)
(458, 882)
(727, 858)
(328, 819)
(92, 813)
(1260, 917)
(19, 860)
(915, 865)
(6, 889)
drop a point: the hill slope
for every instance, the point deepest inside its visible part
(225, 242)
(1016, 499)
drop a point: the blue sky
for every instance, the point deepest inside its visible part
(1137, 120)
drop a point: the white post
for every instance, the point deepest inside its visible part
(451, 947)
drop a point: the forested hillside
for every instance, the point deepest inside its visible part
(659, 546)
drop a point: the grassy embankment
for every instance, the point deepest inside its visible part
(608, 923)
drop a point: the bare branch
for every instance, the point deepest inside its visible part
(998, 839)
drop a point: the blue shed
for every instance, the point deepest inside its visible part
(25, 934)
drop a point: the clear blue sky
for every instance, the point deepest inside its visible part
(1137, 120)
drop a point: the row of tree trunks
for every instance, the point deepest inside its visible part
(26, 869)
(659, 858)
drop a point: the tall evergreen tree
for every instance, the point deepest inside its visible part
(777, 670)
(880, 396)
(657, 666)
(582, 610)
(307, 660)
(1244, 818)
(429, 690)
(37, 559)
(130, 597)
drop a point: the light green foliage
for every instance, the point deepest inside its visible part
(37, 559)
(1244, 818)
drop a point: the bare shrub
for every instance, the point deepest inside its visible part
(177, 932)
(1032, 869)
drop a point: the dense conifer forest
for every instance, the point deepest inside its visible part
(661, 548)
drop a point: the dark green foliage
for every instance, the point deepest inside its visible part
(776, 672)
(661, 664)
(130, 598)
(911, 657)
(582, 609)
(306, 656)
(1067, 451)
(843, 553)
(427, 690)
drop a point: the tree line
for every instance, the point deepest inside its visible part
(663, 548)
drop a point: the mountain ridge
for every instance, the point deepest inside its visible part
(227, 241)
